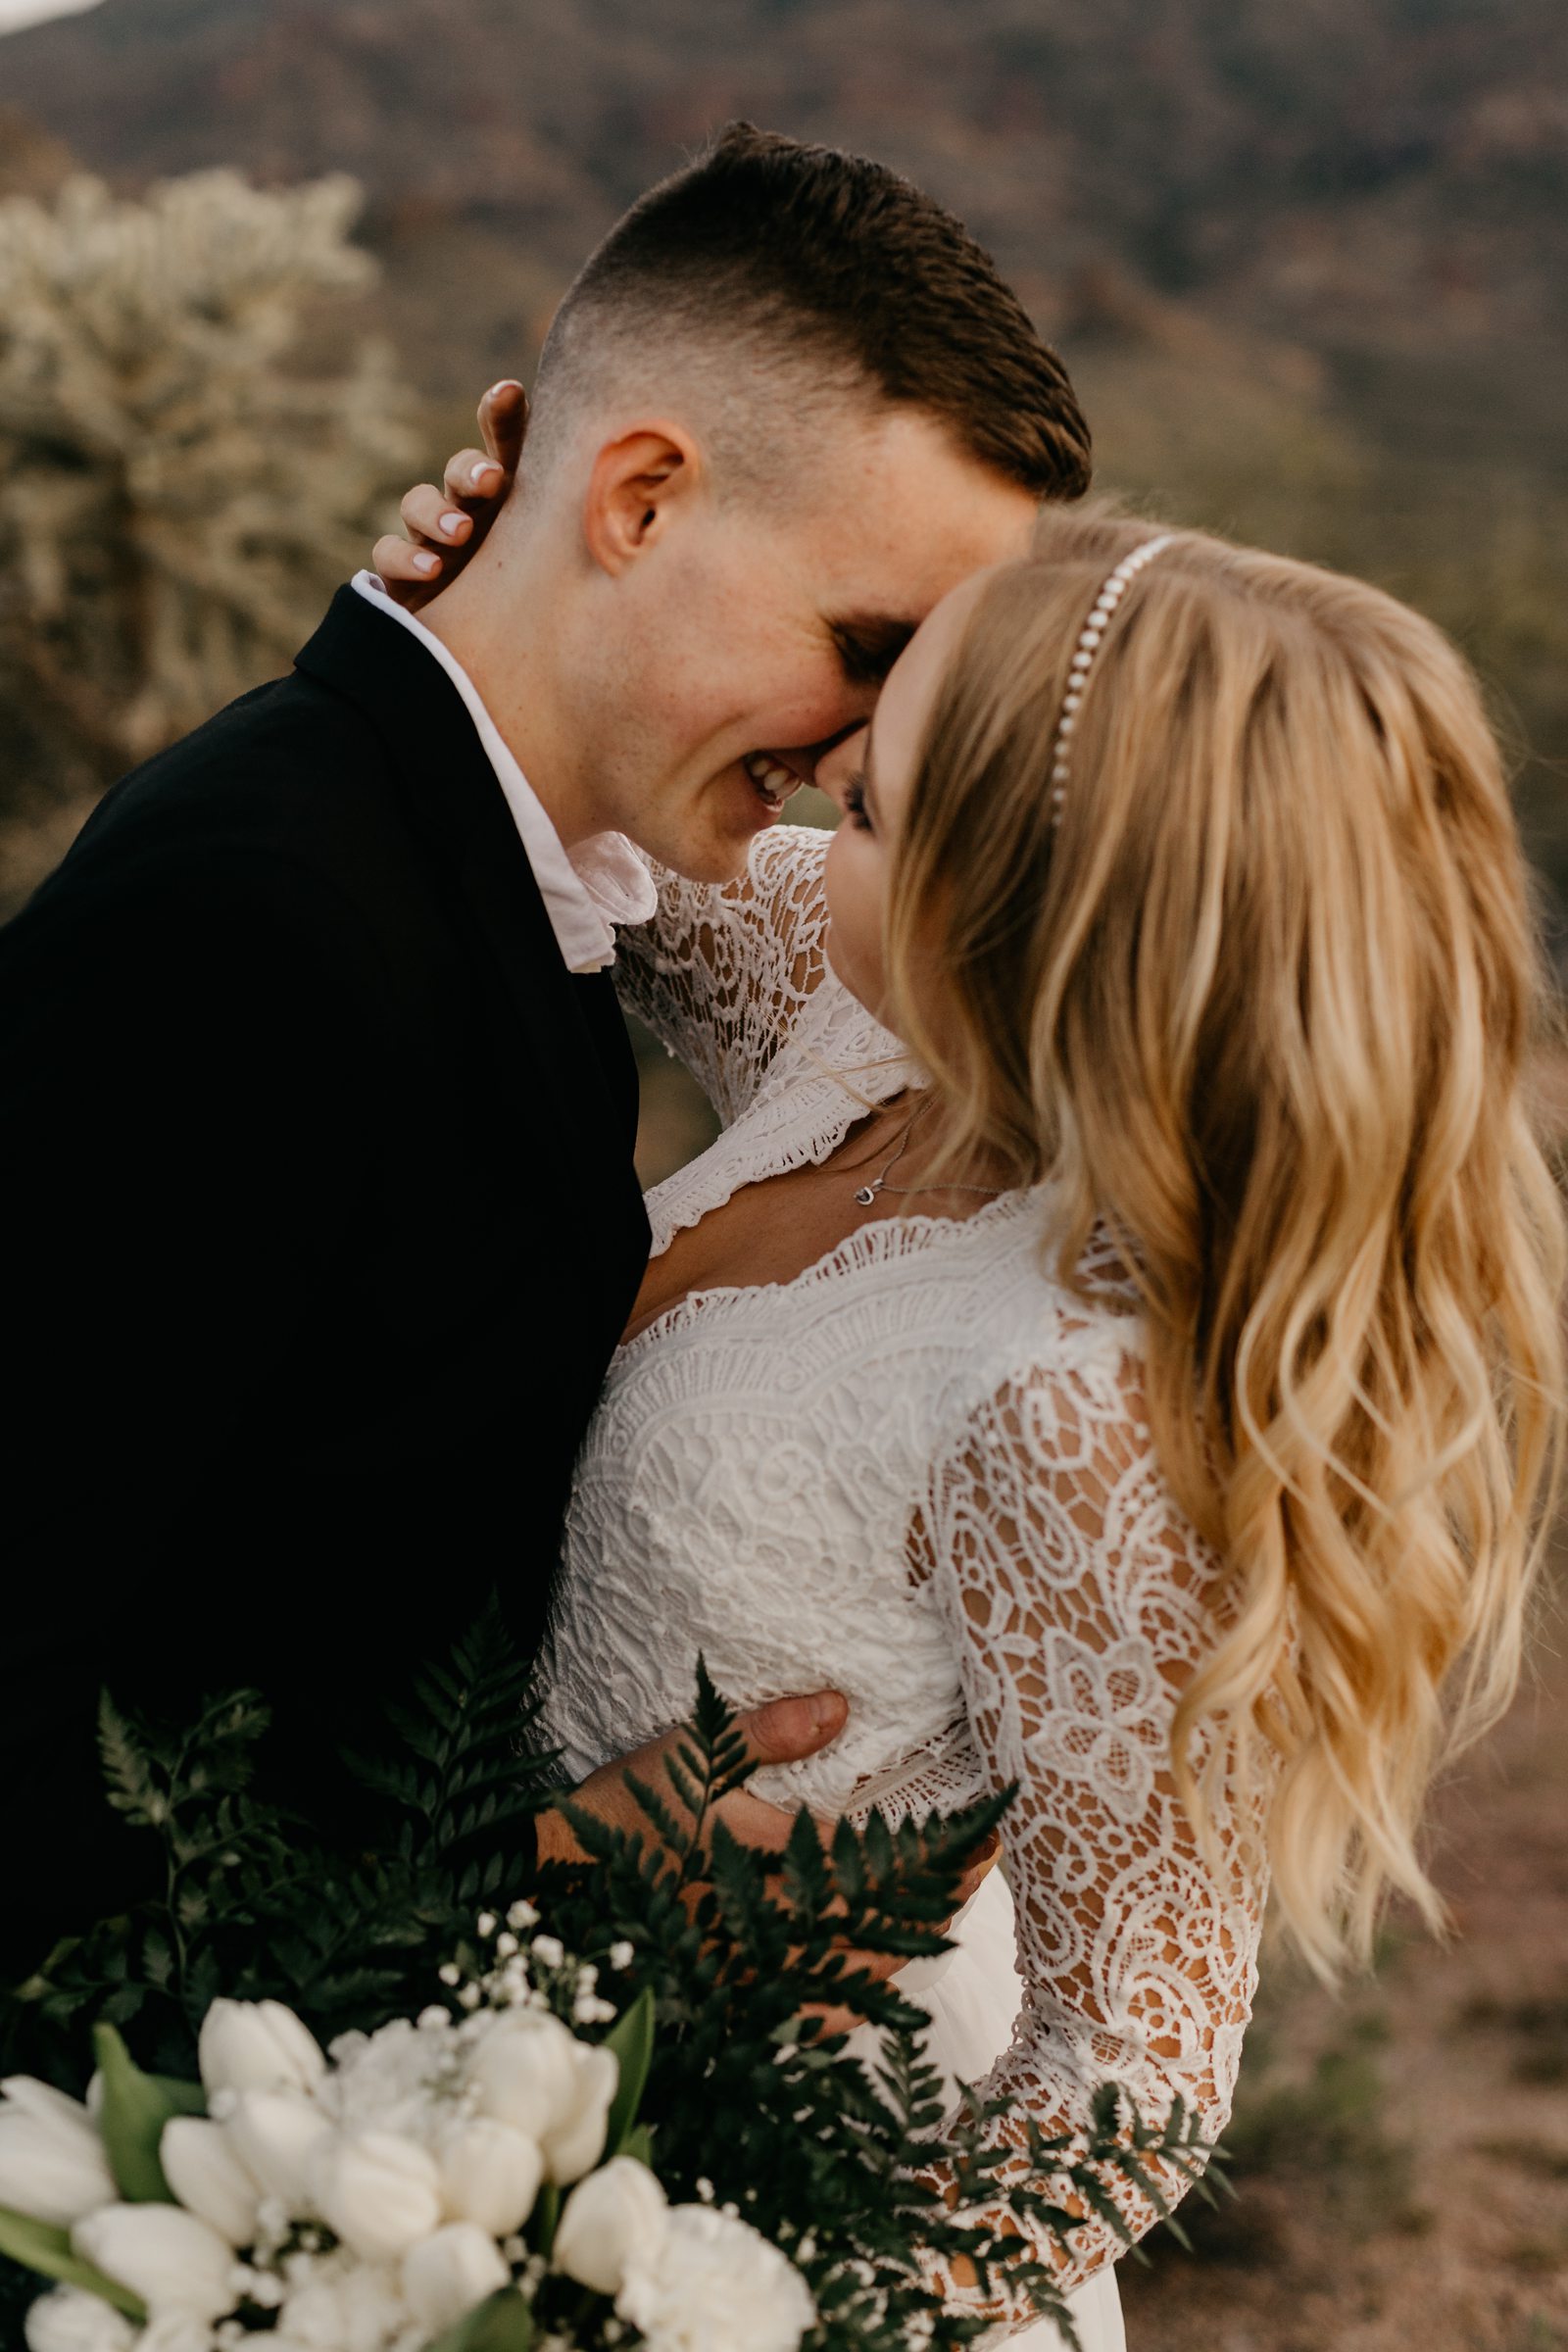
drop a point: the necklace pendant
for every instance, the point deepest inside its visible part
(867, 1194)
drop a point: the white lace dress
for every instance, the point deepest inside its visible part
(920, 1473)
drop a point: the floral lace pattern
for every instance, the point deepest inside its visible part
(727, 979)
(920, 1471)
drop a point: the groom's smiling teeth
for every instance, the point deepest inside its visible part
(769, 781)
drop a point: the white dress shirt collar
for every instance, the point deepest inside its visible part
(587, 891)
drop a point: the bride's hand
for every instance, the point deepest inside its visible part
(444, 527)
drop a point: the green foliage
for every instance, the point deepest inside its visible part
(829, 2156)
(136, 2108)
(42, 2251)
(503, 2323)
(254, 1907)
(731, 2072)
(632, 2041)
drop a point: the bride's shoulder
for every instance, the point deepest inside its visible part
(1091, 1291)
(1043, 1340)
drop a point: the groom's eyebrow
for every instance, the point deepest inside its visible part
(869, 643)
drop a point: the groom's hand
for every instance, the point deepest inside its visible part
(781, 1733)
(446, 526)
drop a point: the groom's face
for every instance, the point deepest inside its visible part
(749, 636)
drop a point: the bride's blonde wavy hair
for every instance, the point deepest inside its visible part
(1262, 1005)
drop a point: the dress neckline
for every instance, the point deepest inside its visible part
(864, 1245)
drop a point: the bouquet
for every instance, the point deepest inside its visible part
(439, 2184)
(606, 2113)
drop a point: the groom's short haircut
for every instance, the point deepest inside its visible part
(785, 279)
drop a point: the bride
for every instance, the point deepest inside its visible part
(1114, 1337)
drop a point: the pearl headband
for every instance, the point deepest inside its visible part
(1110, 597)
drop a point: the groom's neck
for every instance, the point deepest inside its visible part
(503, 638)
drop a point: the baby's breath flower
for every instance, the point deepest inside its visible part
(450, 1973)
(549, 1951)
(486, 1923)
(522, 1914)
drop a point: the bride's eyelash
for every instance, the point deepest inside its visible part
(855, 802)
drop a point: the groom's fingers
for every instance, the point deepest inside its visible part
(780, 1732)
(503, 421)
(788, 1729)
(471, 479)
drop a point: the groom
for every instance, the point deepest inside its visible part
(318, 1110)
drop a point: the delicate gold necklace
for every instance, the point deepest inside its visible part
(868, 1192)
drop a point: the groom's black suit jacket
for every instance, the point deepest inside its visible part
(320, 1227)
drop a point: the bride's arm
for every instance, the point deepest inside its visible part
(1078, 1601)
(720, 973)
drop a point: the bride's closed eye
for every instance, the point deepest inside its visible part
(855, 802)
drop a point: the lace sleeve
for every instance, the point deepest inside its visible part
(721, 971)
(1076, 1597)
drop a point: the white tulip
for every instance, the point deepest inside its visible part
(278, 2137)
(613, 2220)
(380, 2194)
(205, 2173)
(713, 2282)
(450, 2273)
(52, 2162)
(257, 2045)
(577, 2142)
(523, 2072)
(491, 2175)
(176, 2332)
(536, 2075)
(174, 2261)
(69, 2321)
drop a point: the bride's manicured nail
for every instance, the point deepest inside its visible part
(509, 385)
(452, 525)
(426, 562)
(485, 477)
(825, 1707)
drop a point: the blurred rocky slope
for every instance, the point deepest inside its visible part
(1308, 261)
(1365, 166)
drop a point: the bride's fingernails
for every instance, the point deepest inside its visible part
(426, 562)
(485, 477)
(454, 525)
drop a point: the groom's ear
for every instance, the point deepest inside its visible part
(639, 486)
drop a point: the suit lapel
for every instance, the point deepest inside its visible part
(457, 805)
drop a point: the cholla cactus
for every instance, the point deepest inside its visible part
(175, 503)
